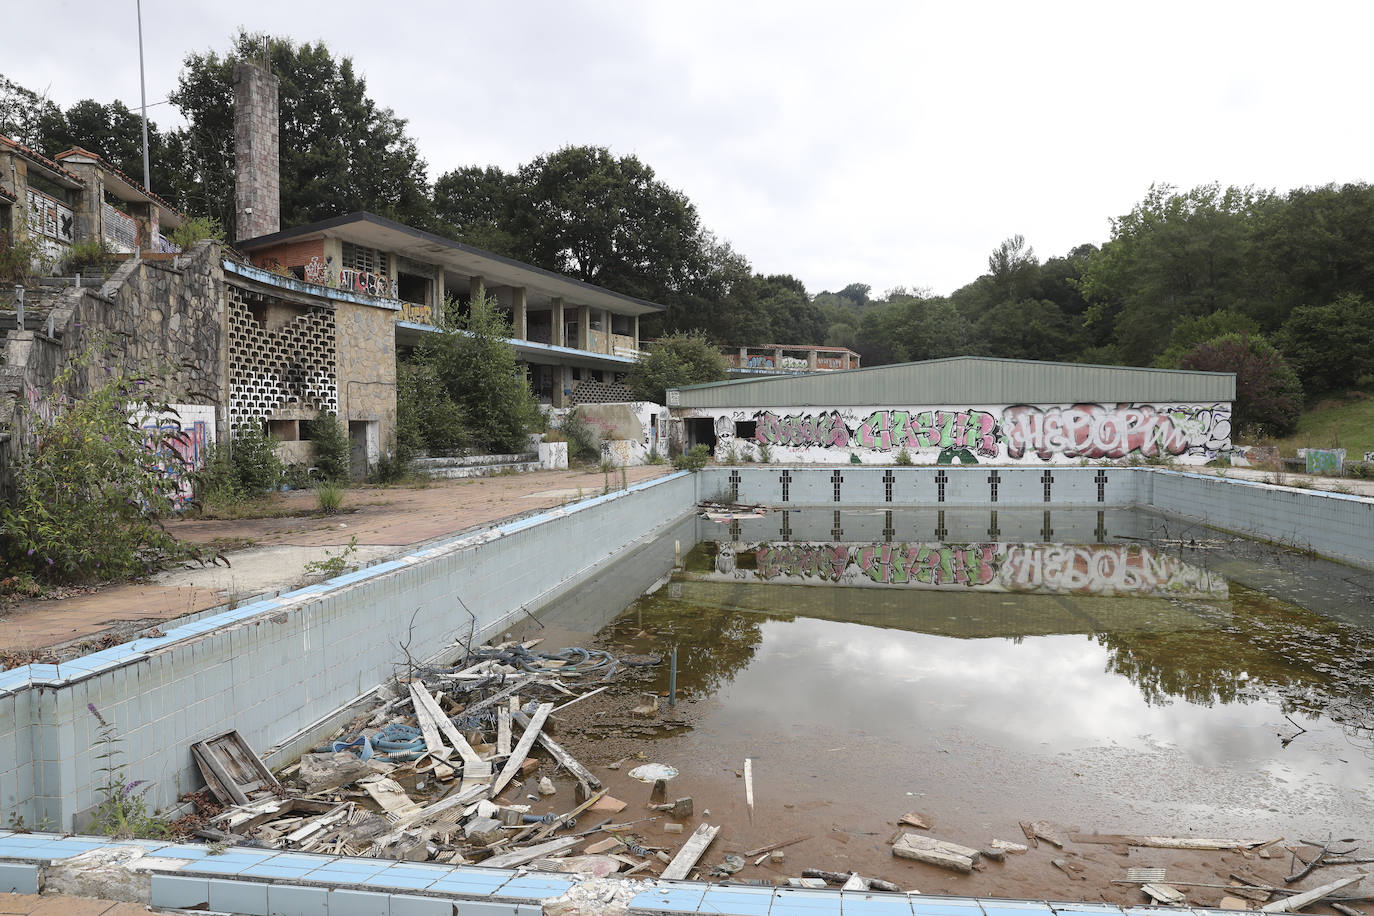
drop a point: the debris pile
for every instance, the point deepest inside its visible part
(437, 772)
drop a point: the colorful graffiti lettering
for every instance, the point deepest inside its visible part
(826, 430)
(420, 314)
(885, 430)
(826, 561)
(1324, 461)
(180, 450)
(929, 564)
(1094, 431)
(315, 271)
(1102, 569)
(364, 281)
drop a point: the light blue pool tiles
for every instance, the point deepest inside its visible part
(670, 898)
(860, 903)
(737, 901)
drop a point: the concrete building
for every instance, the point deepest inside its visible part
(577, 340)
(965, 410)
(75, 198)
(779, 359)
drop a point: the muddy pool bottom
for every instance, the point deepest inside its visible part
(1110, 672)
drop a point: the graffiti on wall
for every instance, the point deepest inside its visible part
(1099, 569)
(179, 438)
(966, 435)
(1094, 431)
(364, 281)
(413, 311)
(823, 430)
(1324, 460)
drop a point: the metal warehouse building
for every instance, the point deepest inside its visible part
(963, 410)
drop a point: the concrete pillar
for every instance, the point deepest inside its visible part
(90, 200)
(518, 316)
(777, 359)
(743, 357)
(439, 295)
(811, 362)
(556, 318)
(477, 288)
(634, 329)
(257, 163)
(606, 329)
(584, 327)
(844, 360)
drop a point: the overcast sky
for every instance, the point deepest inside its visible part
(887, 143)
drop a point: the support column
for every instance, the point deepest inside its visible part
(634, 329)
(777, 359)
(584, 327)
(556, 316)
(477, 288)
(439, 298)
(518, 316)
(844, 360)
(811, 362)
(606, 330)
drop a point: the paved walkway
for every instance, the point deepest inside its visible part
(55, 905)
(386, 521)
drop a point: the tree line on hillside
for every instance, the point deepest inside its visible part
(1275, 285)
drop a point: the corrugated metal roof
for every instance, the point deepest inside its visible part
(970, 380)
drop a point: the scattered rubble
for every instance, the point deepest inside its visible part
(457, 765)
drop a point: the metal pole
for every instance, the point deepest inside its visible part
(672, 680)
(19, 307)
(143, 95)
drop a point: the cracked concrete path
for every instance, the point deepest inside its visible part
(269, 555)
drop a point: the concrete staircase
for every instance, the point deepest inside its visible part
(475, 465)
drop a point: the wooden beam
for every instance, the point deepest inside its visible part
(1298, 901)
(691, 851)
(522, 750)
(530, 853)
(566, 760)
(424, 700)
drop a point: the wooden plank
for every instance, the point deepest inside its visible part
(1167, 842)
(772, 846)
(428, 727)
(749, 786)
(503, 731)
(425, 700)
(532, 727)
(935, 852)
(691, 851)
(565, 760)
(1163, 893)
(388, 793)
(208, 762)
(1049, 833)
(530, 853)
(1298, 901)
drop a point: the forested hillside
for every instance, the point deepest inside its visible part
(1276, 285)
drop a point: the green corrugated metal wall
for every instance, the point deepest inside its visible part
(967, 380)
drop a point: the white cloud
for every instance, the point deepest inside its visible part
(886, 143)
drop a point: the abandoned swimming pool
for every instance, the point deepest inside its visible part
(1112, 671)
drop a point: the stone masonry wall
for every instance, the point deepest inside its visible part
(367, 367)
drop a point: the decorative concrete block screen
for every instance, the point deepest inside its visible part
(281, 357)
(601, 393)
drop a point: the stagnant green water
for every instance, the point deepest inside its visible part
(1108, 670)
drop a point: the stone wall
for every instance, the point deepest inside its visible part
(257, 196)
(367, 368)
(155, 319)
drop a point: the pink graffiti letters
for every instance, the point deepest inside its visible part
(929, 564)
(826, 561)
(826, 430)
(1094, 431)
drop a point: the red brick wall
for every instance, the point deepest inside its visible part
(290, 254)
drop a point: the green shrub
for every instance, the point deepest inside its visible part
(332, 448)
(903, 457)
(122, 811)
(91, 492)
(694, 460)
(195, 230)
(19, 257)
(257, 468)
(390, 469)
(654, 457)
(87, 258)
(584, 439)
(329, 495)
(296, 476)
(765, 453)
(427, 419)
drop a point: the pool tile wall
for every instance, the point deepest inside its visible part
(278, 669)
(271, 668)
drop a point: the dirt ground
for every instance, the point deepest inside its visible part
(271, 553)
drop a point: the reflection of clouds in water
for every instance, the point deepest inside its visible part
(1042, 693)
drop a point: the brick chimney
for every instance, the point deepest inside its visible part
(257, 189)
